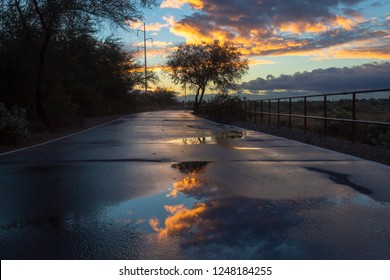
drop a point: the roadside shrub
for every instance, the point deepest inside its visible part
(223, 108)
(384, 139)
(13, 125)
(61, 110)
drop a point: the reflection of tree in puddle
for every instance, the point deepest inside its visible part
(196, 141)
(190, 167)
(189, 184)
(214, 139)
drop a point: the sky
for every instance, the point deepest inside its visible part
(291, 45)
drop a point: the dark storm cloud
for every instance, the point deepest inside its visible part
(266, 27)
(367, 76)
(268, 13)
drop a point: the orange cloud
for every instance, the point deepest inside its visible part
(303, 27)
(369, 48)
(154, 223)
(184, 185)
(256, 42)
(319, 27)
(191, 33)
(275, 34)
(178, 4)
(182, 219)
(253, 62)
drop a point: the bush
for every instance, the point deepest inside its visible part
(384, 139)
(12, 125)
(60, 109)
(223, 108)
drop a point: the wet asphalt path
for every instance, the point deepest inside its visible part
(169, 185)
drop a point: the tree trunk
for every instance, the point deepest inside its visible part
(196, 107)
(197, 103)
(39, 83)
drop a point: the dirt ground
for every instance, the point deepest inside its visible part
(373, 153)
(46, 135)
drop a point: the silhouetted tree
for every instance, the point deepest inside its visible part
(199, 65)
(42, 22)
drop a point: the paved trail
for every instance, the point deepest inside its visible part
(169, 185)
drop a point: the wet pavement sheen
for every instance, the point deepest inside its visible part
(169, 185)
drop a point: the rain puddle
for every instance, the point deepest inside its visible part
(214, 139)
(194, 218)
(204, 220)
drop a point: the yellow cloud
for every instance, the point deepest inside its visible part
(368, 48)
(191, 33)
(319, 27)
(182, 219)
(257, 42)
(184, 185)
(156, 26)
(253, 62)
(303, 27)
(154, 223)
(178, 4)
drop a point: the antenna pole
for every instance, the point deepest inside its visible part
(144, 47)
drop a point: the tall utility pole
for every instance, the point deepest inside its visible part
(144, 47)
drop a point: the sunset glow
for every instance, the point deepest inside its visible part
(274, 34)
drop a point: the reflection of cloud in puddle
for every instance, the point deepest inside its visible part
(186, 185)
(140, 221)
(181, 221)
(154, 223)
(236, 227)
(219, 224)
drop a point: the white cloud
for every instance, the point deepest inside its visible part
(174, 4)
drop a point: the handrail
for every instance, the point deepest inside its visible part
(328, 94)
(254, 110)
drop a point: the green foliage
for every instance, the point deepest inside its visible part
(384, 139)
(61, 110)
(341, 114)
(160, 98)
(53, 65)
(203, 65)
(223, 108)
(12, 125)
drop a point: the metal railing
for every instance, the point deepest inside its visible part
(262, 109)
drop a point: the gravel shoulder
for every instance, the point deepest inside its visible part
(44, 135)
(368, 152)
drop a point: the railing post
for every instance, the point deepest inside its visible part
(278, 113)
(325, 115)
(305, 112)
(244, 110)
(353, 117)
(289, 112)
(261, 111)
(269, 112)
(255, 111)
(250, 110)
